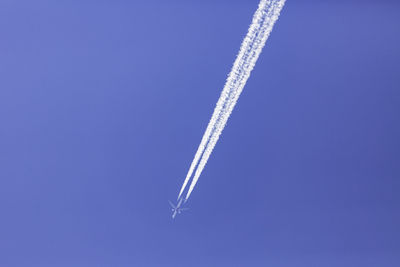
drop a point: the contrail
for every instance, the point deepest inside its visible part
(259, 30)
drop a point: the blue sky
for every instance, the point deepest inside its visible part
(103, 105)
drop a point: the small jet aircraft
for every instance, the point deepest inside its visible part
(177, 209)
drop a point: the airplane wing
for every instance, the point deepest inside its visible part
(184, 208)
(172, 205)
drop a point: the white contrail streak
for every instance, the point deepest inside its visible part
(259, 30)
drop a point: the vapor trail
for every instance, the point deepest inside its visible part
(259, 30)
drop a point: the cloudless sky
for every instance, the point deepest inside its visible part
(103, 105)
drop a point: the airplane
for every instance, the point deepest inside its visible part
(177, 209)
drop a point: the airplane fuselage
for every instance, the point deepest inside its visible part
(176, 210)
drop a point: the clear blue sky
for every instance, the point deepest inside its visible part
(103, 105)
